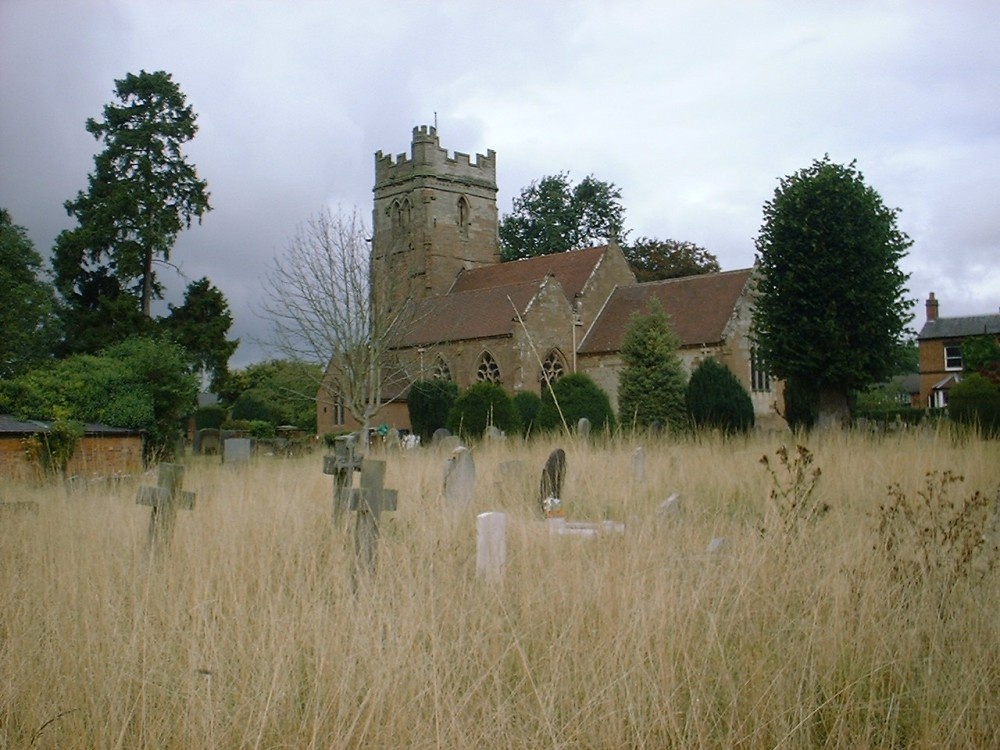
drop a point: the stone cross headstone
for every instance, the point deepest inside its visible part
(164, 500)
(583, 427)
(552, 481)
(236, 450)
(459, 478)
(369, 501)
(491, 545)
(639, 464)
(342, 464)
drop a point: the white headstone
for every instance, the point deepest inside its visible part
(583, 427)
(491, 544)
(236, 450)
(493, 433)
(670, 507)
(459, 478)
(639, 464)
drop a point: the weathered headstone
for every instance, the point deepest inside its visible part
(669, 507)
(583, 427)
(236, 450)
(550, 495)
(449, 443)
(391, 439)
(459, 478)
(491, 545)
(717, 545)
(492, 433)
(369, 501)
(164, 500)
(639, 464)
(656, 428)
(208, 441)
(342, 464)
(439, 434)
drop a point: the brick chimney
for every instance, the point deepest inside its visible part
(932, 308)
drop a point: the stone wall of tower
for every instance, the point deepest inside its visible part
(435, 214)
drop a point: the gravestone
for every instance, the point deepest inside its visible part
(492, 433)
(656, 428)
(550, 495)
(164, 500)
(583, 427)
(639, 464)
(449, 443)
(342, 464)
(392, 441)
(208, 441)
(717, 545)
(491, 545)
(439, 434)
(670, 507)
(236, 451)
(369, 501)
(459, 478)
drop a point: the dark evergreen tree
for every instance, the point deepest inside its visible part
(482, 405)
(717, 400)
(200, 325)
(652, 383)
(577, 396)
(141, 194)
(429, 402)
(830, 309)
(527, 404)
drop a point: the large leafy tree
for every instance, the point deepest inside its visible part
(830, 314)
(200, 324)
(27, 315)
(651, 387)
(652, 259)
(141, 194)
(552, 215)
(142, 383)
(280, 391)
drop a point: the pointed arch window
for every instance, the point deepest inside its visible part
(553, 367)
(488, 370)
(441, 370)
(464, 215)
(405, 213)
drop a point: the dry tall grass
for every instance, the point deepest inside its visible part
(248, 634)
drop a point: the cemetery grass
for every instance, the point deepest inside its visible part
(802, 632)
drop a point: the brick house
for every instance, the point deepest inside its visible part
(940, 350)
(474, 318)
(102, 451)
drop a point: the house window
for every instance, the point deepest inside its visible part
(760, 378)
(552, 368)
(441, 370)
(488, 370)
(953, 356)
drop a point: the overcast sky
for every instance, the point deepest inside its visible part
(694, 110)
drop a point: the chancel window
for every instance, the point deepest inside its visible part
(488, 370)
(760, 378)
(552, 368)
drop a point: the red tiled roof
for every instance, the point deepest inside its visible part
(699, 308)
(572, 269)
(473, 314)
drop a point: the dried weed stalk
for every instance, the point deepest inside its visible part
(793, 481)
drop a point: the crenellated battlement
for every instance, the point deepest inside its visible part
(427, 158)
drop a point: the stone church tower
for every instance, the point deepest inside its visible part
(434, 216)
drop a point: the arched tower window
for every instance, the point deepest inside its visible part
(552, 367)
(488, 370)
(441, 369)
(393, 212)
(405, 212)
(464, 215)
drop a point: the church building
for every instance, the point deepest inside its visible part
(472, 318)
